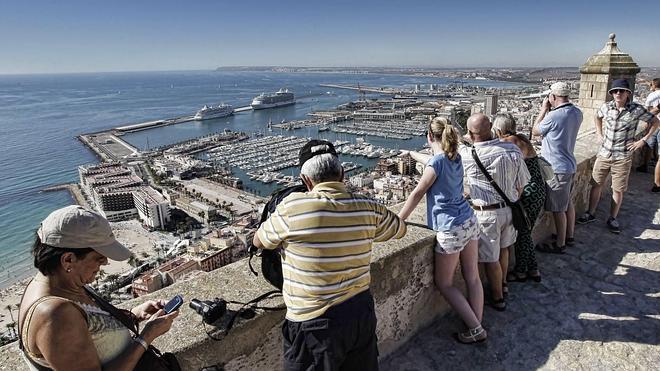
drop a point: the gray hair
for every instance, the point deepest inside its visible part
(505, 123)
(322, 168)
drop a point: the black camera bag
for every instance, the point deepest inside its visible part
(271, 260)
(521, 221)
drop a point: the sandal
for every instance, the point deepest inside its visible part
(551, 248)
(499, 305)
(471, 336)
(534, 276)
(570, 241)
(517, 277)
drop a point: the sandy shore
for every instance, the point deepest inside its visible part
(130, 233)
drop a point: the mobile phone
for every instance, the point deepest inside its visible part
(173, 304)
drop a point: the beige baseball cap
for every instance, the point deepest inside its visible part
(560, 89)
(75, 227)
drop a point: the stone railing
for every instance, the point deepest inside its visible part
(402, 285)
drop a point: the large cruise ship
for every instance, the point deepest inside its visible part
(281, 98)
(207, 113)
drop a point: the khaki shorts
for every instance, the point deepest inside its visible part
(495, 232)
(620, 170)
(558, 190)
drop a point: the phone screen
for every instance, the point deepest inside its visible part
(173, 304)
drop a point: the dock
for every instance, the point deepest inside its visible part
(131, 128)
(366, 89)
(74, 190)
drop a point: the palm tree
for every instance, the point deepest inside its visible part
(9, 308)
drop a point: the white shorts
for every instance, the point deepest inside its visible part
(455, 239)
(495, 232)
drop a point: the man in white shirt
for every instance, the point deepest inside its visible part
(653, 105)
(505, 163)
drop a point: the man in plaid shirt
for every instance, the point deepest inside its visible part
(617, 135)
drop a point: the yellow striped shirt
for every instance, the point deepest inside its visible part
(327, 236)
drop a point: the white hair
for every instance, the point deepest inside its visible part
(505, 123)
(322, 168)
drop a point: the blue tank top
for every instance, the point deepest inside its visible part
(445, 205)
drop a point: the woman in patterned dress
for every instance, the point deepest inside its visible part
(457, 232)
(533, 198)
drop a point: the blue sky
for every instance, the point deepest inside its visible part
(38, 36)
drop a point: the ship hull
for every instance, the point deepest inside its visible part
(212, 116)
(257, 106)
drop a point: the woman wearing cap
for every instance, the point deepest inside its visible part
(532, 198)
(61, 326)
(449, 214)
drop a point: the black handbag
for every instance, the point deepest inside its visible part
(152, 359)
(521, 221)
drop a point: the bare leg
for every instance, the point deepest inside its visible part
(594, 197)
(470, 270)
(617, 199)
(657, 172)
(504, 262)
(445, 267)
(494, 274)
(570, 219)
(560, 225)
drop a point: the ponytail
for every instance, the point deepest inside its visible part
(443, 131)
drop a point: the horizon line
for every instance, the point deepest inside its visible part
(215, 69)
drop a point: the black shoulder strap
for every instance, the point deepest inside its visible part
(122, 317)
(490, 178)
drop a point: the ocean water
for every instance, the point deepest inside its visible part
(40, 116)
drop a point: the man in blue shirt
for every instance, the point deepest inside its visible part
(559, 122)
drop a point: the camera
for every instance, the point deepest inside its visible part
(210, 310)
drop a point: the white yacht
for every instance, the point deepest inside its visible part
(282, 98)
(207, 113)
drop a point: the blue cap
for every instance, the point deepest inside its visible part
(620, 84)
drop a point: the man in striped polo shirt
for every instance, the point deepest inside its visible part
(326, 235)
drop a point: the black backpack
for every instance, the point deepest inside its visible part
(271, 260)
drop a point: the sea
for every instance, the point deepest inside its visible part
(41, 115)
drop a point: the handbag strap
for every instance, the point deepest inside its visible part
(114, 311)
(490, 178)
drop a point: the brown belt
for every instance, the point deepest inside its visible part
(500, 205)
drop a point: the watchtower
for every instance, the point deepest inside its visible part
(596, 76)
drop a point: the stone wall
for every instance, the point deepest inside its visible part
(402, 285)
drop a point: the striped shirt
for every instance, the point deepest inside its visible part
(506, 165)
(327, 236)
(619, 128)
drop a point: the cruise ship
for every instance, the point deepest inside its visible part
(207, 113)
(282, 98)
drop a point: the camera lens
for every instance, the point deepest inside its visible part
(197, 306)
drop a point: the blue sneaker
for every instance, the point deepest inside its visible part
(586, 218)
(613, 225)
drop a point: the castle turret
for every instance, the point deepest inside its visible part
(597, 75)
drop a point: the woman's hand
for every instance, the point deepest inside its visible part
(146, 309)
(404, 152)
(158, 324)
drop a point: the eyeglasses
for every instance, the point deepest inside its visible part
(619, 91)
